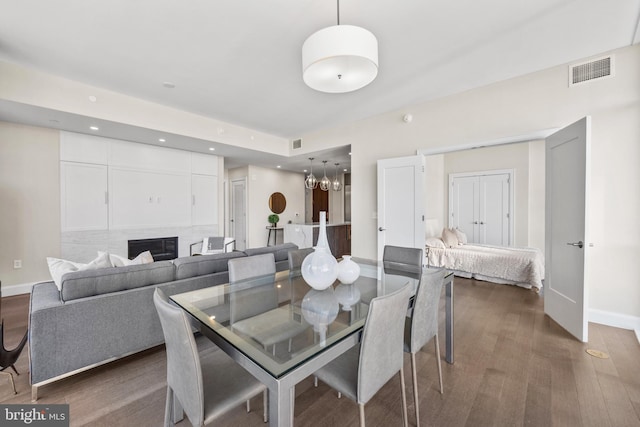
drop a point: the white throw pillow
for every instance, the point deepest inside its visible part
(462, 238)
(449, 238)
(59, 267)
(435, 242)
(120, 261)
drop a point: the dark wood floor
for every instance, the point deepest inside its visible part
(514, 367)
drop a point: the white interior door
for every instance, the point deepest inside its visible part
(239, 213)
(566, 227)
(401, 202)
(464, 206)
(495, 214)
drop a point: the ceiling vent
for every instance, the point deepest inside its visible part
(297, 143)
(592, 70)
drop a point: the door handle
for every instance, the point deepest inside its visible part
(475, 222)
(381, 229)
(578, 244)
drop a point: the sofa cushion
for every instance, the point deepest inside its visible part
(88, 283)
(192, 266)
(280, 252)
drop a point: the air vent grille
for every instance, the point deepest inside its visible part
(297, 143)
(596, 69)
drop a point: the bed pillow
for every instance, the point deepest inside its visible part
(434, 242)
(59, 267)
(462, 238)
(449, 238)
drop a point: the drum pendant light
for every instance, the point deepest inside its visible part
(340, 59)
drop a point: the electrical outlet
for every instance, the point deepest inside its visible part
(17, 263)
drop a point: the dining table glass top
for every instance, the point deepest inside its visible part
(279, 321)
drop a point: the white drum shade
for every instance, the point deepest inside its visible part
(342, 58)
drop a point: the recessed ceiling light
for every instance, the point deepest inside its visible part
(349, 152)
(94, 128)
(305, 171)
(212, 149)
(92, 98)
(162, 140)
(344, 170)
(168, 85)
(278, 166)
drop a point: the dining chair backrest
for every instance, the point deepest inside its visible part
(381, 355)
(424, 320)
(400, 256)
(296, 257)
(244, 268)
(184, 373)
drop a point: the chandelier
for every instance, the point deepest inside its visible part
(310, 181)
(336, 185)
(325, 182)
(340, 58)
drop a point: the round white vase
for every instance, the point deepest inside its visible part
(320, 269)
(348, 270)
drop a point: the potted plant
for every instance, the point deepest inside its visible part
(273, 220)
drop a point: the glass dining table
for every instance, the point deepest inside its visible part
(281, 330)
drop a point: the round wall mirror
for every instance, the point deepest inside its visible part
(277, 203)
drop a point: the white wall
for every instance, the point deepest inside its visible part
(519, 106)
(29, 203)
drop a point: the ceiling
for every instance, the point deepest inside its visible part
(240, 61)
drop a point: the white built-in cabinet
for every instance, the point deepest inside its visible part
(112, 184)
(480, 204)
(84, 196)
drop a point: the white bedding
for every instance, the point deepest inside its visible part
(520, 266)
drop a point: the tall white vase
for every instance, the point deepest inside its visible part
(320, 268)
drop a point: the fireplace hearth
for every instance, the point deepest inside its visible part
(161, 248)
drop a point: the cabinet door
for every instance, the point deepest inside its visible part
(204, 199)
(148, 199)
(83, 193)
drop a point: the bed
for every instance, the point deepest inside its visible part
(499, 264)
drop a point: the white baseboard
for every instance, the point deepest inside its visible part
(19, 289)
(616, 320)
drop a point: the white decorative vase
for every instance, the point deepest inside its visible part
(319, 309)
(320, 268)
(348, 270)
(347, 295)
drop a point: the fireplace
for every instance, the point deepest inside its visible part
(161, 248)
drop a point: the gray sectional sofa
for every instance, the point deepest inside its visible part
(102, 315)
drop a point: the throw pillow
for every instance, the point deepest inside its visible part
(449, 238)
(120, 261)
(60, 267)
(435, 242)
(462, 238)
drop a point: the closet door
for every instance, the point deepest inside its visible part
(480, 205)
(494, 209)
(464, 206)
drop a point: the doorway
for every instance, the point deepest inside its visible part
(238, 216)
(320, 203)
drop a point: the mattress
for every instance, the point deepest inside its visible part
(500, 264)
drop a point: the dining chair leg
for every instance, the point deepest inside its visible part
(361, 406)
(414, 378)
(439, 363)
(168, 409)
(405, 420)
(265, 406)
